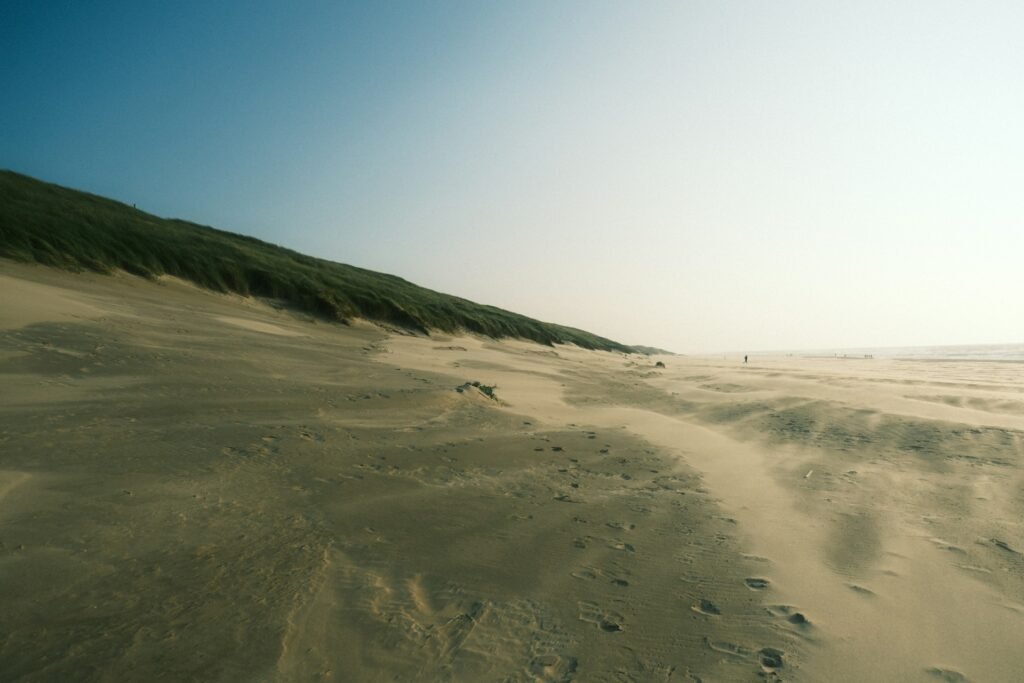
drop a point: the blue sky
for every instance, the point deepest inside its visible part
(696, 175)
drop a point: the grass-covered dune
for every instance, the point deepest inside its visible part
(56, 226)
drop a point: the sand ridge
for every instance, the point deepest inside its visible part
(258, 326)
(25, 302)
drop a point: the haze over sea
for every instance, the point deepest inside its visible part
(964, 352)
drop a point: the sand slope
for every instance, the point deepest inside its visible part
(197, 487)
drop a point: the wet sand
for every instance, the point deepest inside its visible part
(203, 487)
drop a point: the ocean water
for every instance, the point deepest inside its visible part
(979, 352)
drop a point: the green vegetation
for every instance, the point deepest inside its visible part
(56, 226)
(485, 389)
(651, 351)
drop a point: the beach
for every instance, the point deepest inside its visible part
(201, 486)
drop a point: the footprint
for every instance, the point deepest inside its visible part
(620, 582)
(770, 658)
(727, 648)
(626, 547)
(624, 526)
(706, 607)
(857, 588)
(755, 558)
(553, 668)
(756, 584)
(790, 614)
(587, 573)
(591, 613)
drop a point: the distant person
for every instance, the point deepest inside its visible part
(744, 359)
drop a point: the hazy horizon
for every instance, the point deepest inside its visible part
(972, 352)
(693, 176)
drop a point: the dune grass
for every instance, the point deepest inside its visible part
(56, 226)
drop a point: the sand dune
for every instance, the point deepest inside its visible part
(199, 487)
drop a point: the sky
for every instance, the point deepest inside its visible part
(698, 176)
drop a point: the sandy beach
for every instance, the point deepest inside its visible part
(197, 486)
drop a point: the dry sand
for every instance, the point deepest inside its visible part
(198, 487)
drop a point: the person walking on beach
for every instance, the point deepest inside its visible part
(744, 359)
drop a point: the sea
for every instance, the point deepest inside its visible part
(976, 352)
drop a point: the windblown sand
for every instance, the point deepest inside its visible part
(198, 487)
